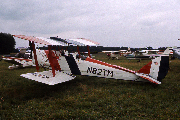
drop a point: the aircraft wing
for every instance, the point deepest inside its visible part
(58, 41)
(47, 77)
(39, 40)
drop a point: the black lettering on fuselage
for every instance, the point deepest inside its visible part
(89, 70)
(99, 71)
(94, 71)
(102, 72)
(110, 73)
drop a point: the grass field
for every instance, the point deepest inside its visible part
(90, 97)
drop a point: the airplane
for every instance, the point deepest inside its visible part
(64, 66)
(117, 54)
(176, 52)
(114, 54)
(147, 54)
(21, 59)
(142, 54)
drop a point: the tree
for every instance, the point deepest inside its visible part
(7, 43)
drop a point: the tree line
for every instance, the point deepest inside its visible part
(7, 43)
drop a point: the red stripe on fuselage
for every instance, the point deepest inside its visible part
(109, 65)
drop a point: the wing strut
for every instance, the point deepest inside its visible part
(78, 51)
(88, 51)
(51, 60)
(30, 45)
(35, 56)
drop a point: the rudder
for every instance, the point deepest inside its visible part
(164, 67)
(159, 67)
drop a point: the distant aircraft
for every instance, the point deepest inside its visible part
(21, 59)
(114, 54)
(148, 54)
(63, 66)
(176, 52)
(117, 54)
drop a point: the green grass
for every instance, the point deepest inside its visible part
(90, 97)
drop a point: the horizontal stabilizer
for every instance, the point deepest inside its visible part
(47, 77)
(147, 77)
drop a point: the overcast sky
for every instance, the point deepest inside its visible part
(131, 23)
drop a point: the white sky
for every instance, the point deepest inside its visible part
(130, 23)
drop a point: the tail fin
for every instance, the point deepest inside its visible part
(157, 68)
(167, 51)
